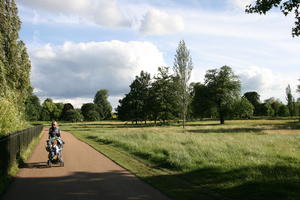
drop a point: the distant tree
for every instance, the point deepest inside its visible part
(275, 104)
(73, 116)
(224, 87)
(48, 108)
(57, 113)
(266, 109)
(201, 105)
(101, 100)
(90, 112)
(67, 106)
(161, 96)
(254, 98)
(283, 111)
(242, 108)
(290, 101)
(33, 108)
(183, 67)
(135, 105)
(286, 7)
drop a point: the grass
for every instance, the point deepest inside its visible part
(253, 159)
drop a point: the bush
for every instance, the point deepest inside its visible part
(11, 119)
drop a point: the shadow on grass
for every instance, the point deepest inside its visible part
(278, 182)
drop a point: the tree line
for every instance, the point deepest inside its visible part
(169, 96)
(15, 68)
(100, 109)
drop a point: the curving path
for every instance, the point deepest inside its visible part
(87, 174)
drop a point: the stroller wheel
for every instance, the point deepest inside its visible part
(49, 163)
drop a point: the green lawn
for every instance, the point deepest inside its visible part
(253, 159)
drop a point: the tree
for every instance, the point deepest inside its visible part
(290, 101)
(283, 111)
(90, 112)
(73, 115)
(266, 109)
(135, 105)
(224, 87)
(286, 7)
(275, 104)
(183, 67)
(254, 98)
(242, 108)
(33, 108)
(67, 106)
(161, 96)
(201, 105)
(101, 101)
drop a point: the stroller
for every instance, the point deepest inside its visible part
(54, 147)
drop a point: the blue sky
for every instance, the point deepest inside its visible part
(80, 46)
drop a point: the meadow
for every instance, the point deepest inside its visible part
(249, 159)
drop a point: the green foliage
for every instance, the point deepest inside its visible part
(286, 7)
(162, 103)
(283, 111)
(11, 119)
(201, 105)
(183, 67)
(33, 108)
(104, 106)
(90, 112)
(134, 106)
(254, 98)
(242, 108)
(290, 101)
(14, 69)
(66, 107)
(223, 87)
(73, 116)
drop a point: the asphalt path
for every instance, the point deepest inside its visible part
(87, 174)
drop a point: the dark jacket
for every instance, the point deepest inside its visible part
(54, 132)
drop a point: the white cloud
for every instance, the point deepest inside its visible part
(101, 12)
(157, 22)
(265, 82)
(78, 70)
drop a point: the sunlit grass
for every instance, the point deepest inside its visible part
(213, 156)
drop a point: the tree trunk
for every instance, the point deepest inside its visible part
(222, 120)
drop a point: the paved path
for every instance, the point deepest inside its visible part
(87, 174)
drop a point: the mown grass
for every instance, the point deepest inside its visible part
(253, 159)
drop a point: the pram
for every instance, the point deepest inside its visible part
(54, 147)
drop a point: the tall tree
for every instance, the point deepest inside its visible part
(183, 66)
(286, 7)
(161, 97)
(101, 100)
(224, 87)
(290, 101)
(135, 105)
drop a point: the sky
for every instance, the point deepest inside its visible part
(78, 47)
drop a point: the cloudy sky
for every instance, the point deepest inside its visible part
(80, 46)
